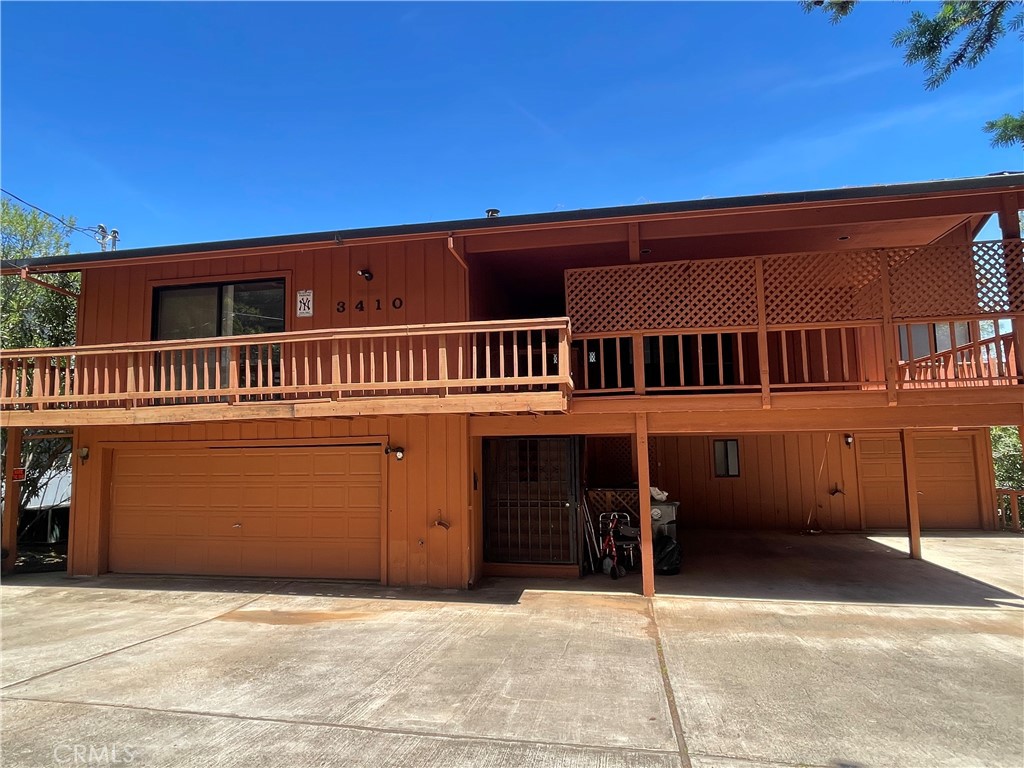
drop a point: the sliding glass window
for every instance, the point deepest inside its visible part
(209, 311)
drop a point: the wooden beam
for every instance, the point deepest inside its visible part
(1009, 225)
(457, 248)
(634, 241)
(644, 486)
(50, 286)
(12, 495)
(911, 493)
(518, 402)
(762, 334)
(730, 221)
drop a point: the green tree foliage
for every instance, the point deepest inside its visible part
(959, 35)
(34, 316)
(1007, 457)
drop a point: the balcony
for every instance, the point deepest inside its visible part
(503, 366)
(883, 326)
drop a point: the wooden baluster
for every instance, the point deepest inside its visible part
(784, 345)
(515, 358)
(700, 359)
(48, 378)
(398, 360)
(805, 367)
(661, 360)
(976, 347)
(5, 379)
(501, 356)
(1015, 511)
(130, 386)
(362, 362)
(529, 354)
(423, 342)
(307, 378)
(543, 353)
(933, 370)
(911, 357)
(257, 364)
(738, 340)
(682, 364)
(335, 368)
(413, 340)
(37, 382)
(845, 351)
(318, 349)
(487, 358)
(246, 382)
(639, 366)
(618, 363)
(564, 358)
(474, 355)
(721, 359)
(954, 352)
(823, 336)
(442, 363)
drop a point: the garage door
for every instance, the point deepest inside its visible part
(946, 480)
(312, 512)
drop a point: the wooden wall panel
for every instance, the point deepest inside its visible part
(429, 483)
(784, 480)
(432, 287)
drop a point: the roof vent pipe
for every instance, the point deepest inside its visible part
(492, 213)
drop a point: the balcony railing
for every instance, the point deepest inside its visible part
(447, 359)
(1009, 505)
(809, 358)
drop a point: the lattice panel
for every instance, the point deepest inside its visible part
(823, 287)
(943, 280)
(709, 293)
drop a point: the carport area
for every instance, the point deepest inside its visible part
(776, 650)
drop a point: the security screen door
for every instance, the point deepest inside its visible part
(530, 500)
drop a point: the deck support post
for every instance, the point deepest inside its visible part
(1009, 225)
(12, 498)
(644, 487)
(911, 492)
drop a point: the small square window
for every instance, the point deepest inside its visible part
(727, 458)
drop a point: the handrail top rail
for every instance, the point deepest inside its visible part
(320, 334)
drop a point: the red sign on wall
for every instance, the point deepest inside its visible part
(19, 474)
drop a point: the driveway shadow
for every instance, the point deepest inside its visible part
(822, 567)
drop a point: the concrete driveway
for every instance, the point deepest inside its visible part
(210, 672)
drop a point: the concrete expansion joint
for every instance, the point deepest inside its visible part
(670, 697)
(602, 748)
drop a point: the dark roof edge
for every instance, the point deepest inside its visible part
(1004, 179)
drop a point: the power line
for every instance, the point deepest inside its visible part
(87, 231)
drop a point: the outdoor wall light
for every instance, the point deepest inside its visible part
(848, 439)
(83, 453)
(366, 274)
(398, 451)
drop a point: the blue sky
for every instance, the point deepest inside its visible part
(192, 122)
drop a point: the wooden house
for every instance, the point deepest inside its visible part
(422, 404)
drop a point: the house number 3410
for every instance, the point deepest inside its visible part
(375, 305)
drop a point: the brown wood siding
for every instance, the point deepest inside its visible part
(429, 484)
(117, 303)
(779, 485)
